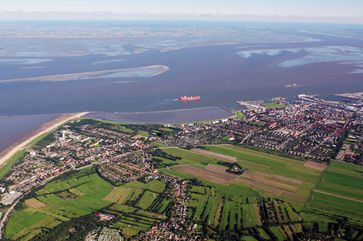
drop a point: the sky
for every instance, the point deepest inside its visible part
(304, 8)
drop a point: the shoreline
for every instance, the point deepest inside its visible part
(6, 154)
(47, 126)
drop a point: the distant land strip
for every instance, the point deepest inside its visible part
(145, 71)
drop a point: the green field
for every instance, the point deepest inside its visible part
(190, 158)
(339, 194)
(239, 115)
(303, 179)
(226, 190)
(213, 207)
(264, 162)
(133, 220)
(5, 168)
(119, 195)
(279, 233)
(218, 205)
(273, 105)
(288, 177)
(143, 133)
(343, 179)
(83, 193)
(146, 200)
(231, 212)
(87, 182)
(152, 186)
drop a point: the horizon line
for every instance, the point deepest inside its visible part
(114, 16)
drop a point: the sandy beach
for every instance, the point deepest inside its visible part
(47, 127)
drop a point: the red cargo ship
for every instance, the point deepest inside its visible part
(189, 98)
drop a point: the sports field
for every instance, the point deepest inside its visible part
(273, 105)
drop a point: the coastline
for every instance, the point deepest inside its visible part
(130, 117)
(47, 127)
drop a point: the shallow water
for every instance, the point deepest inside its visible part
(14, 128)
(165, 117)
(208, 66)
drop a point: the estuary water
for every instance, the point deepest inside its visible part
(14, 128)
(222, 63)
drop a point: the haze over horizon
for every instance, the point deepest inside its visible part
(282, 10)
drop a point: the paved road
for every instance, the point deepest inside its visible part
(5, 217)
